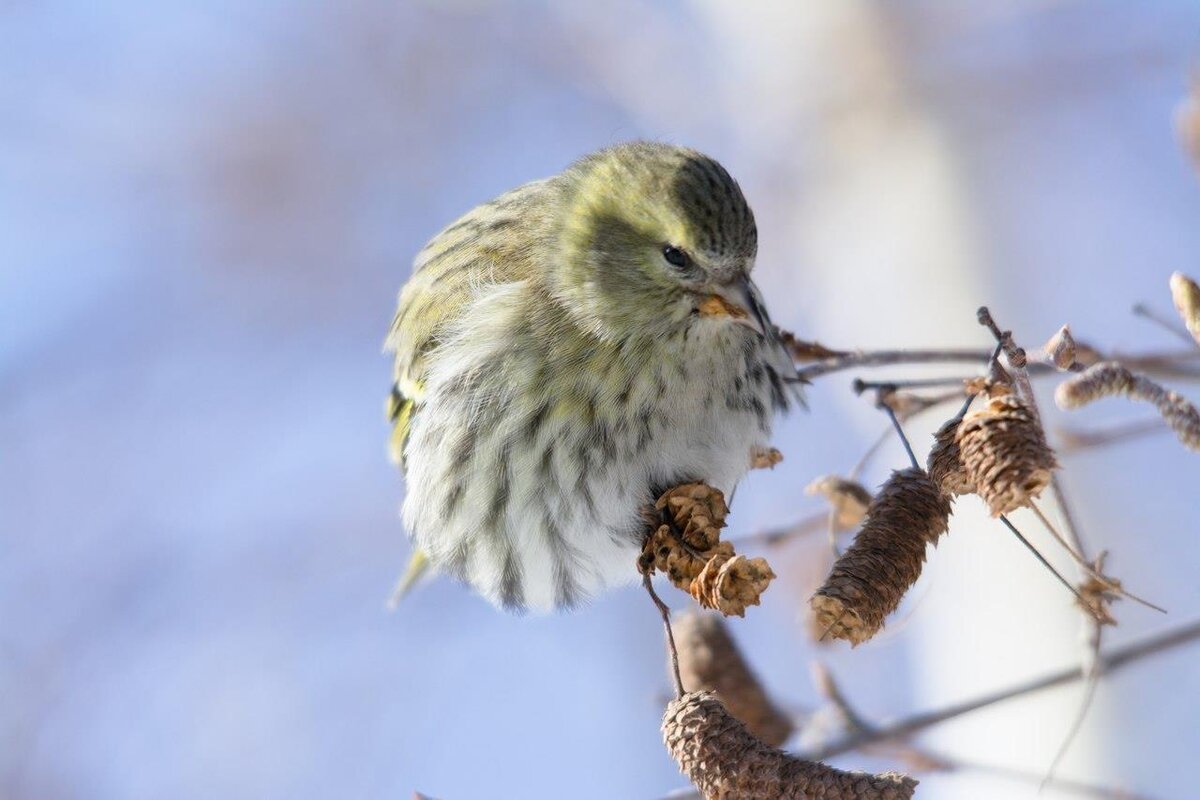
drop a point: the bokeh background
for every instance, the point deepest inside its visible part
(206, 211)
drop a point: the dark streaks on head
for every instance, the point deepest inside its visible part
(717, 207)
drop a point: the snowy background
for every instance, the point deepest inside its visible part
(206, 211)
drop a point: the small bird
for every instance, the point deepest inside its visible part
(567, 352)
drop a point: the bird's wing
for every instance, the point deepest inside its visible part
(497, 242)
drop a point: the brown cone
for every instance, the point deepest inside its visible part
(730, 583)
(686, 545)
(1005, 454)
(725, 762)
(710, 660)
(945, 461)
(869, 580)
(698, 511)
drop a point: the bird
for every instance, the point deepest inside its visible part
(566, 352)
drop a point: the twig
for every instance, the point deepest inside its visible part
(900, 432)
(926, 404)
(666, 618)
(1089, 694)
(921, 759)
(1159, 364)
(859, 385)
(1071, 440)
(883, 358)
(1065, 785)
(1095, 624)
(918, 722)
(1087, 567)
(1145, 312)
(1013, 528)
(819, 520)
(810, 524)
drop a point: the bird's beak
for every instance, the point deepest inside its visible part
(735, 300)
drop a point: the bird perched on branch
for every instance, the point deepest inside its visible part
(566, 352)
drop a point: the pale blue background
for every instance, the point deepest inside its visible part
(205, 213)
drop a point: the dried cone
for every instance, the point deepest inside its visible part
(710, 660)
(1186, 295)
(945, 462)
(1004, 452)
(698, 511)
(664, 553)
(730, 584)
(687, 547)
(849, 499)
(869, 580)
(693, 515)
(1108, 378)
(725, 762)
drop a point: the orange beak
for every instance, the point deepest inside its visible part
(734, 301)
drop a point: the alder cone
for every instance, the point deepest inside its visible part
(872, 576)
(945, 461)
(710, 660)
(1005, 454)
(726, 762)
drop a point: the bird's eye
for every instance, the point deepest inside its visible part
(675, 257)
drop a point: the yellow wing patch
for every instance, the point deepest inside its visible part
(401, 406)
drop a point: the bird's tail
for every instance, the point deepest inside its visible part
(418, 568)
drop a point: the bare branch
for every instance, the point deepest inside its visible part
(1115, 660)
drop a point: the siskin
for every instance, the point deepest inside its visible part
(567, 352)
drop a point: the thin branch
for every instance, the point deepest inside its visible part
(1073, 440)
(921, 759)
(1163, 365)
(917, 722)
(666, 618)
(884, 358)
(1089, 694)
(1087, 567)
(1029, 545)
(859, 385)
(900, 432)
(774, 536)
(1095, 624)
(1169, 325)
(1064, 785)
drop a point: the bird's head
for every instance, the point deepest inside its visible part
(654, 238)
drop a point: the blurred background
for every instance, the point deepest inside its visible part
(206, 211)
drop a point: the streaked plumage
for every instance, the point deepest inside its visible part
(555, 371)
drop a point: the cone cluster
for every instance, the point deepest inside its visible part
(1004, 453)
(710, 660)
(726, 762)
(686, 546)
(869, 580)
